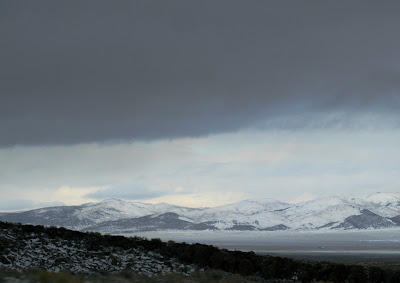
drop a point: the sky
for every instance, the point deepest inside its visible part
(197, 103)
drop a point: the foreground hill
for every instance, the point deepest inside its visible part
(57, 249)
(377, 211)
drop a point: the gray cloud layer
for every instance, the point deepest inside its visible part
(127, 192)
(84, 71)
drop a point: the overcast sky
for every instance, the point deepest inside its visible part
(197, 103)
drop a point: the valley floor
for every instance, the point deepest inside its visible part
(340, 246)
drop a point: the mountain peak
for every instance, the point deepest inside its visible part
(383, 198)
(112, 200)
(262, 201)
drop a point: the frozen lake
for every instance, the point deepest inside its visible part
(378, 245)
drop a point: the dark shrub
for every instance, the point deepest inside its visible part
(338, 273)
(357, 274)
(246, 267)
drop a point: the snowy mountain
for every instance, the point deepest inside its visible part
(376, 211)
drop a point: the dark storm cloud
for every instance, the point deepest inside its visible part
(83, 71)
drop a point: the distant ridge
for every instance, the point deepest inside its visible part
(376, 211)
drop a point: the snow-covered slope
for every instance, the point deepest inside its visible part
(261, 213)
(115, 209)
(380, 210)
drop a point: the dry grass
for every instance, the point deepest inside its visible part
(44, 276)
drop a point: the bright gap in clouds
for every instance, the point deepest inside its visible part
(263, 162)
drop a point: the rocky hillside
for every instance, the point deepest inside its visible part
(56, 249)
(52, 249)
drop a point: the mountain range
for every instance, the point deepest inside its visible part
(376, 211)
